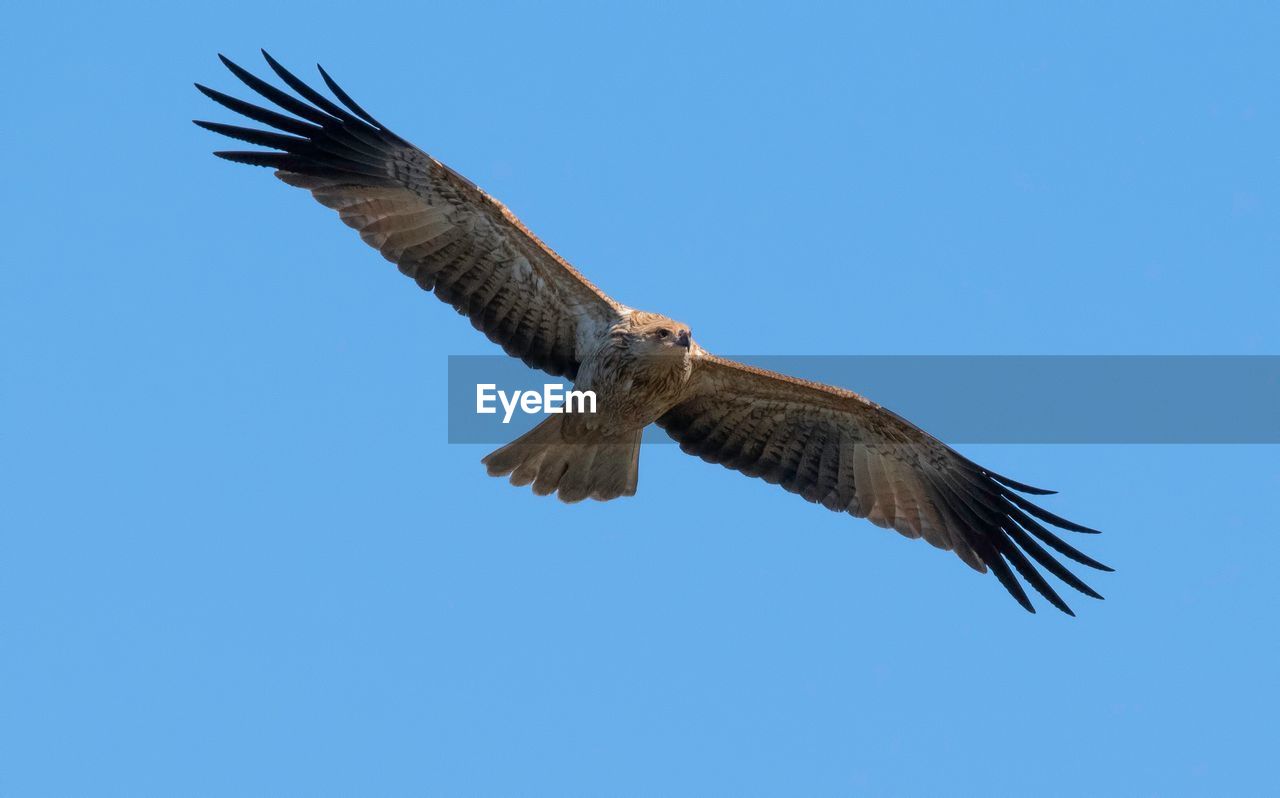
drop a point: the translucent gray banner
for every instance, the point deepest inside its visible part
(968, 399)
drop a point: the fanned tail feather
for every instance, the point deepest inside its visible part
(602, 470)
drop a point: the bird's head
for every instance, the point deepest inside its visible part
(651, 334)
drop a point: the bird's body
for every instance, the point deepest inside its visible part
(829, 445)
(638, 370)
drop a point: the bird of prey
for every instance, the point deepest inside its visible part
(829, 445)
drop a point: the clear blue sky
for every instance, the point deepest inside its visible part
(238, 556)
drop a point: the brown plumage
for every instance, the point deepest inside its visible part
(830, 446)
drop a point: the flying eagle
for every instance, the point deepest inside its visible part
(830, 446)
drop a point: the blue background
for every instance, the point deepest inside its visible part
(239, 558)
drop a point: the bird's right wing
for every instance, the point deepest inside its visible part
(437, 226)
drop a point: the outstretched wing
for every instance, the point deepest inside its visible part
(837, 449)
(437, 226)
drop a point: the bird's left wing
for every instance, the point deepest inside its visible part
(437, 226)
(838, 449)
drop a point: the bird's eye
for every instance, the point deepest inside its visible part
(664, 333)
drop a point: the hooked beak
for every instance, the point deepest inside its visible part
(683, 339)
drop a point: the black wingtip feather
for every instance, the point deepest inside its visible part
(1019, 486)
(273, 160)
(346, 99)
(262, 138)
(1001, 478)
(1001, 569)
(259, 114)
(1045, 515)
(212, 94)
(295, 83)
